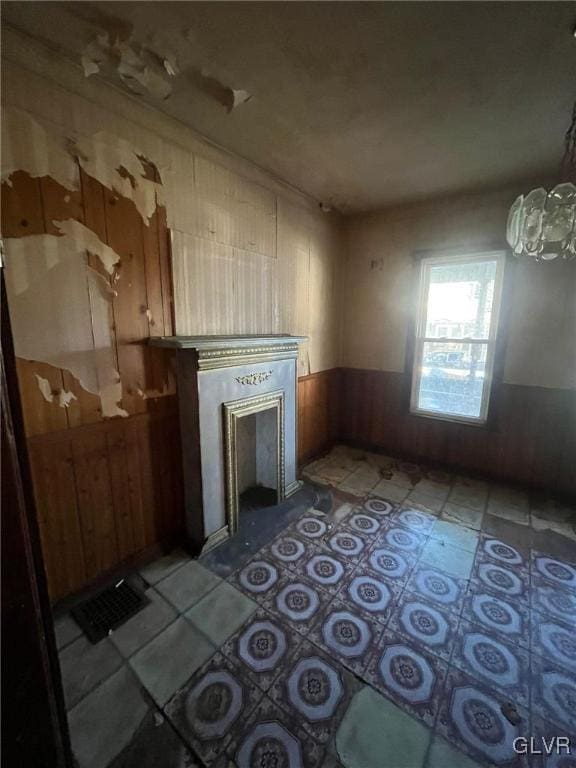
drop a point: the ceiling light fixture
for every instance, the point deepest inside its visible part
(542, 224)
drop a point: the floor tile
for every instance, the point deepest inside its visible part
(154, 744)
(453, 560)
(508, 512)
(187, 585)
(66, 630)
(508, 582)
(346, 634)
(375, 730)
(389, 562)
(363, 522)
(84, 665)
(289, 550)
(168, 661)
(554, 693)
(271, 737)
(548, 735)
(371, 593)
(515, 535)
(443, 755)
(297, 601)
(315, 689)
(387, 490)
(431, 488)
(379, 507)
(311, 528)
(398, 476)
(327, 570)
(425, 624)
(352, 546)
(455, 535)
(261, 648)
(455, 513)
(429, 502)
(164, 566)
(221, 612)
(438, 587)
(105, 722)
(473, 497)
(258, 578)
(413, 518)
(501, 552)
(359, 481)
(211, 710)
(403, 539)
(145, 625)
(557, 572)
(553, 640)
(505, 619)
(498, 665)
(471, 719)
(553, 601)
(411, 677)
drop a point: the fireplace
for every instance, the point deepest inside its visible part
(238, 416)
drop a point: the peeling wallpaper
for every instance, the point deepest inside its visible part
(246, 258)
(379, 277)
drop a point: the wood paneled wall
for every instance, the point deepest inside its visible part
(318, 413)
(106, 489)
(531, 436)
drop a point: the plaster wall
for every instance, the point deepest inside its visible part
(379, 276)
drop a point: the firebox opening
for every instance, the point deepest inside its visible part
(257, 460)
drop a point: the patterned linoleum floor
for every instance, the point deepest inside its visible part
(370, 631)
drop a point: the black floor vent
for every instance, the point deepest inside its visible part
(109, 609)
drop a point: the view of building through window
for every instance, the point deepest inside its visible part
(455, 336)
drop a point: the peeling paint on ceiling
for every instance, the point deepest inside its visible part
(361, 104)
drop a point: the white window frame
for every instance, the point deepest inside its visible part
(489, 342)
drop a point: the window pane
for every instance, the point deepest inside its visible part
(452, 378)
(460, 300)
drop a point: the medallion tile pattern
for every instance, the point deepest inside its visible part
(361, 522)
(415, 519)
(508, 582)
(316, 688)
(273, 738)
(390, 563)
(379, 507)
(472, 719)
(554, 693)
(372, 593)
(403, 539)
(409, 676)
(496, 664)
(210, 711)
(425, 624)
(346, 634)
(297, 602)
(555, 571)
(353, 546)
(311, 528)
(553, 601)
(261, 648)
(500, 552)
(554, 640)
(327, 571)
(257, 578)
(438, 587)
(289, 550)
(502, 618)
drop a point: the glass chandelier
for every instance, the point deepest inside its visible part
(542, 224)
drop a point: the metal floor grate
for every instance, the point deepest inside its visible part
(109, 609)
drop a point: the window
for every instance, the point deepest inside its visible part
(456, 328)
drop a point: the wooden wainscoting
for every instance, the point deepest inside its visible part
(530, 437)
(318, 413)
(106, 492)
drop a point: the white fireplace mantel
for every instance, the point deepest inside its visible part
(217, 374)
